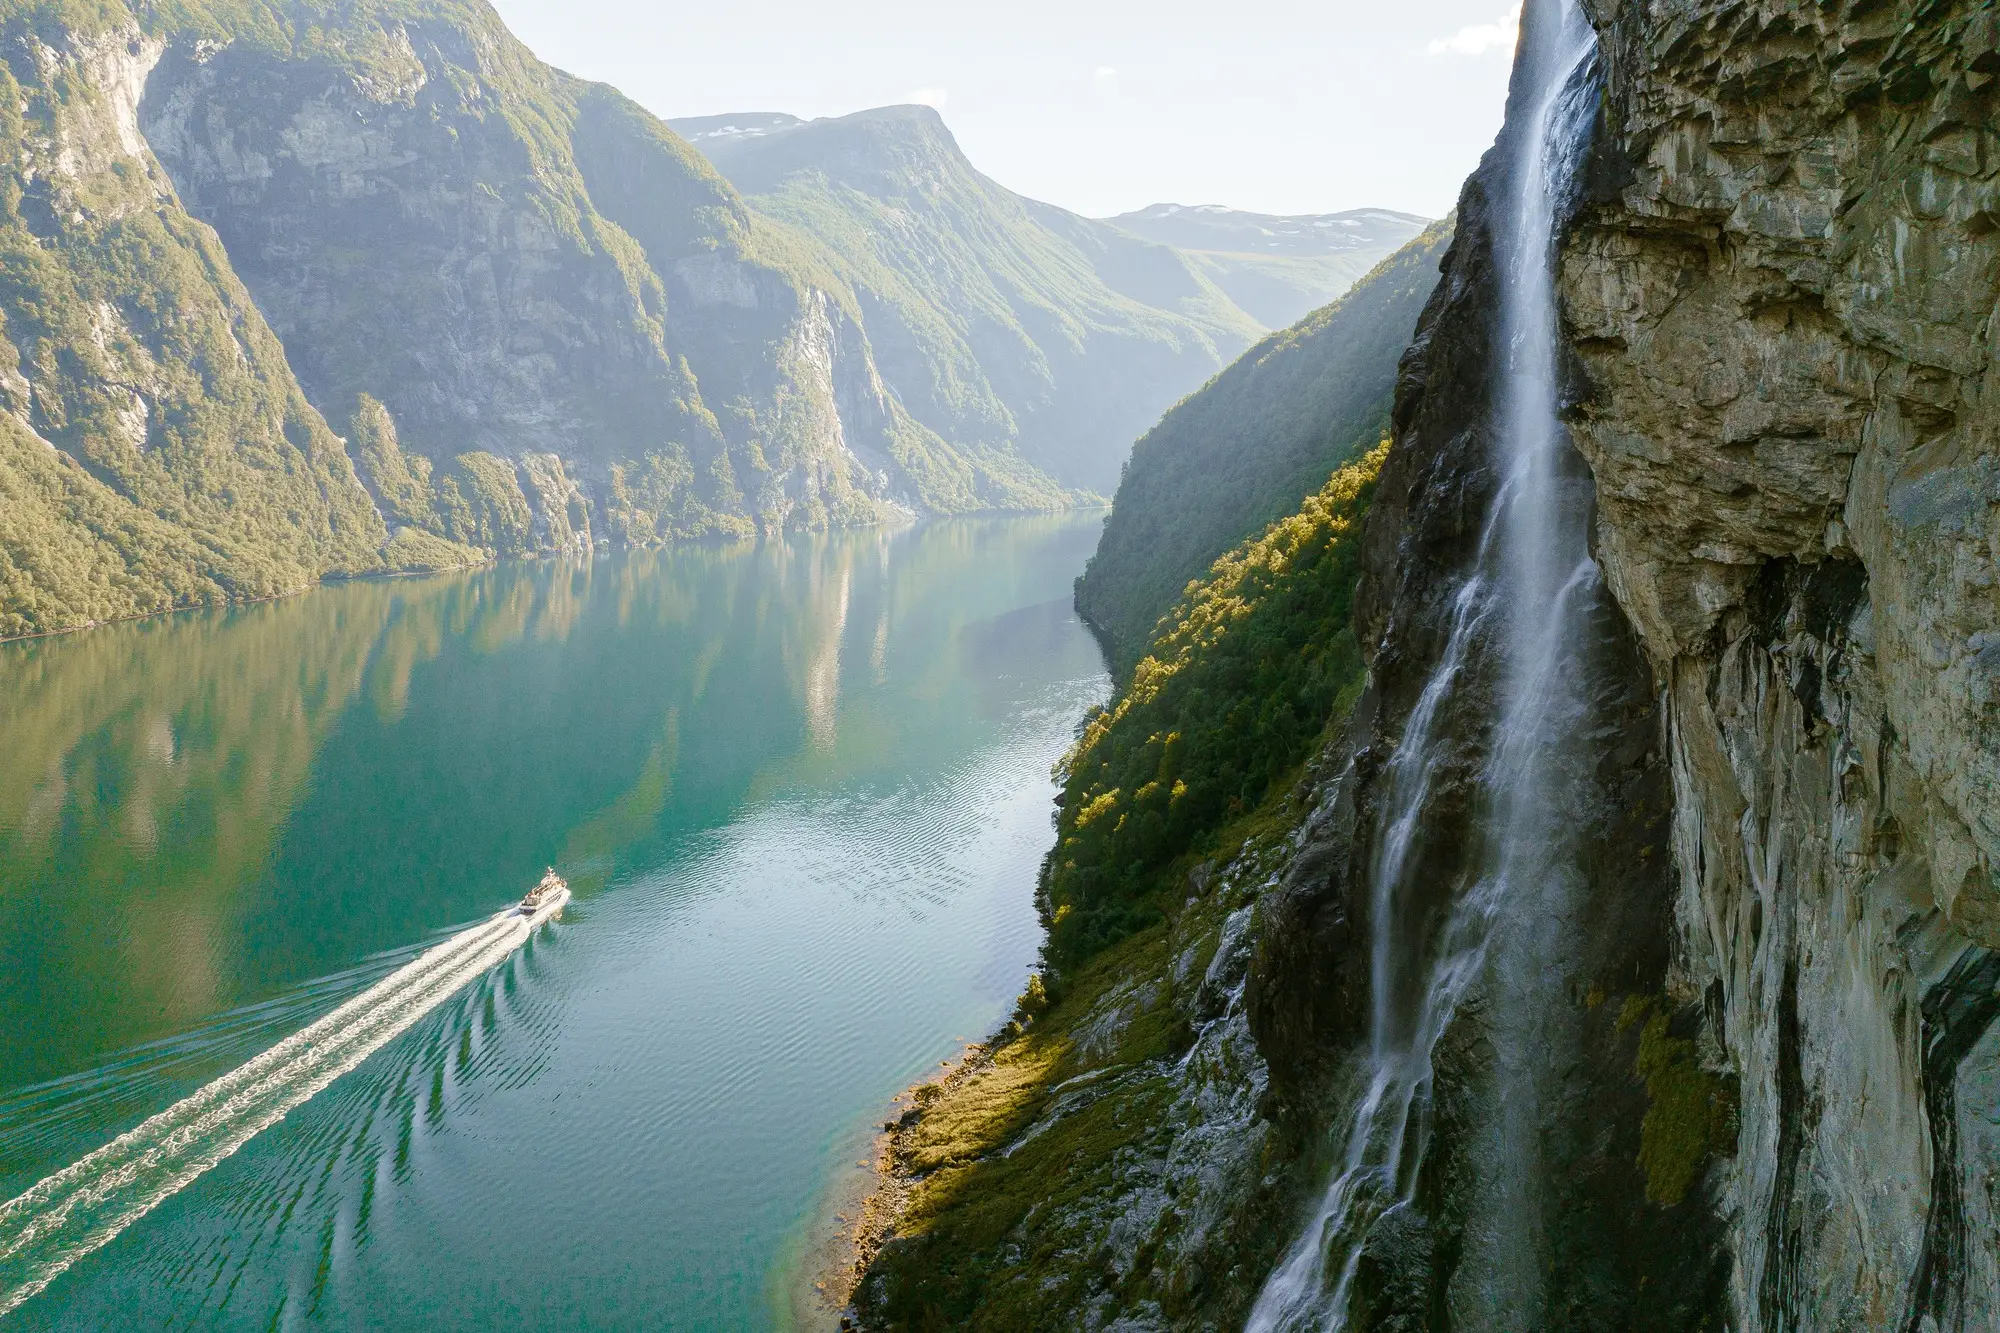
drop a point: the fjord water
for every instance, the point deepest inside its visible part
(1520, 619)
(800, 788)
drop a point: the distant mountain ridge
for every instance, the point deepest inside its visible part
(1278, 268)
(995, 319)
(294, 291)
(1219, 227)
(700, 130)
(1251, 445)
(291, 291)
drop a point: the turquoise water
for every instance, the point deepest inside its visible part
(801, 790)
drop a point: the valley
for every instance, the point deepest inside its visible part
(1284, 764)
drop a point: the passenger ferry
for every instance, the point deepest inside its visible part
(544, 900)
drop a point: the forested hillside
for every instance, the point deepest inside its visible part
(1197, 765)
(293, 294)
(1277, 268)
(1251, 445)
(994, 318)
(155, 448)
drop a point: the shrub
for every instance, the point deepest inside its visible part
(1242, 679)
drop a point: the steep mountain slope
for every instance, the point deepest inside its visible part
(437, 222)
(1278, 268)
(1248, 447)
(1224, 1032)
(1768, 1041)
(155, 449)
(1784, 308)
(1102, 1156)
(994, 318)
(232, 225)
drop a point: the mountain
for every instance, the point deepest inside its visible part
(1277, 268)
(155, 448)
(1727, 1061)
(1251, 445)
(294, 293)
(1119, 1085)
(994, 319)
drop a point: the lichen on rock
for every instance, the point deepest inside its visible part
(1782, 306)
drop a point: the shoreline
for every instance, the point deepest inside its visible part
(381, 575)
(856, 1218)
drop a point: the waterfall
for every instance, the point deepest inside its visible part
(1520, 617)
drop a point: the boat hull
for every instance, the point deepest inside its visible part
(535, 916)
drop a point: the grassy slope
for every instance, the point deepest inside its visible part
(155, 449)
(1280, 290)
(994, 318)
(1018, 1167)
(1248, 447)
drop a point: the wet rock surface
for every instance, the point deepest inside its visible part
(1768, 1056)
(1782, 304)
(1608, 1255)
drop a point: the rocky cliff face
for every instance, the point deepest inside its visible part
(1562, 1209)
(1784, 308)
(418, 213)
(1780, 299)
(1268, 963)
(155, 449)
(996, 319)
(235, 235)
(1766, 1041)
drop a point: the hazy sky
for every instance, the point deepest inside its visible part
(1098, 105)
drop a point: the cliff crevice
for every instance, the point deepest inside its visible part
(1782, 304)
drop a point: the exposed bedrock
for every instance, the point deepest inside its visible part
(1779, 298)
(1530, 1205)
(1783, 306)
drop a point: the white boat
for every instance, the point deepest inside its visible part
(544, 900)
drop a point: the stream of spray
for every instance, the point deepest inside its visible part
(84, 1206)
(1526, 600)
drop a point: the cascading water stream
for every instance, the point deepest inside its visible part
(1525, 603)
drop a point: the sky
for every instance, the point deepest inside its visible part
(1101, 106)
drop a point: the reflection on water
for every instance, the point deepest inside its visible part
(800, 788)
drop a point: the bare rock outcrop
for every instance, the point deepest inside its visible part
(1783, 304)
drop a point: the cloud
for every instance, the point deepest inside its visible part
(1480, 38)
(1104, 73)
(932, 97)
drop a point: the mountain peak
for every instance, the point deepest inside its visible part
(873, 149)
(1218, 227)
(744, 125)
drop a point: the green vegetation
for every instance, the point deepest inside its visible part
(155, 450)
(960, 1262)
(1693, 1115)
(1251, 445)
(995, 319)
(1018, 1165)
(1241, 682)
(546, 318)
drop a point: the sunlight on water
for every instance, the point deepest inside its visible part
(800, 788)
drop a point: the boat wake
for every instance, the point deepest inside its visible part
(84, 1206)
